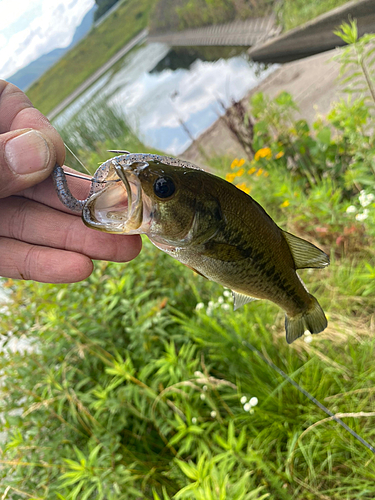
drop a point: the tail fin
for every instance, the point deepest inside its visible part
(313, 320)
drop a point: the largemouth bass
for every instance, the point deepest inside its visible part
(207, 224)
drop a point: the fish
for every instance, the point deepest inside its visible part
(207, 224)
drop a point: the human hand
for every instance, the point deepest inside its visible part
(39, 238)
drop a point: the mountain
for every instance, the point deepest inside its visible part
(24, 77)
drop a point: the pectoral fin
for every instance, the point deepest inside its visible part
(304, 253)
(198, 272)
(240, 299)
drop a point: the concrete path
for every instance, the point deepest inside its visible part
(86, 84)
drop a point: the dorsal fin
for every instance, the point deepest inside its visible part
(239, 299)
(304, 253)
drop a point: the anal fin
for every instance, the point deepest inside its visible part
(240, 299)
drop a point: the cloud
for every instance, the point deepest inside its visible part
(31, 28)
(155, 104)
(205, 83)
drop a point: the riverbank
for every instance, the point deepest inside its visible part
(100, 72)
(107, 39)
(313, 84)
(90, 55)
(316, 36)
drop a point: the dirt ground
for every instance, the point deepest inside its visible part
(313, 83)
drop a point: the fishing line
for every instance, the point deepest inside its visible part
(91, 179)
(76, 157)
(70, 174)
(308, 395)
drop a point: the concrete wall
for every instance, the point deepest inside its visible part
(316, 36)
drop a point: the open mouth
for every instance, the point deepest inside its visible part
(118, 207)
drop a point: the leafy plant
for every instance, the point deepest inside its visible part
(357, 62)
(137, 383)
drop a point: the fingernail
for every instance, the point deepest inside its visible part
(27, 153)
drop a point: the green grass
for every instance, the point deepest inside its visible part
(149, 390)
(293, 13)
(90, 54)
(91, 143)
(132, 391)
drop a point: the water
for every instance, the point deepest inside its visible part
(169, 98)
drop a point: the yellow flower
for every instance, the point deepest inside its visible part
(259, 173)
(240, 172)
(266, 174)
(285, 203)
(241, 162)
(263, 153)
(230, 177)
(280, 154)
(251, 171)
(234, 163)
(243, 187)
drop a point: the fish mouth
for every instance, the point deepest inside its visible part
(121, 205)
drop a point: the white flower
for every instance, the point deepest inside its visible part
(365, 199)
(351, 209)
(226, 307)
(205, 388)
(199, 306)
(247, 406)
(243, 400)
(198, 373)
(308, 339)
(213, 414)
(253, 401)
(203, 397)
(220, 300)
(194, 420)
(227, 293)
(362, 216)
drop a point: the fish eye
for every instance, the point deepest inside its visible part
(164, 187)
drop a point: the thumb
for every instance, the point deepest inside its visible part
(27, 157)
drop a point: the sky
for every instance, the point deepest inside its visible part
(31, 28)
